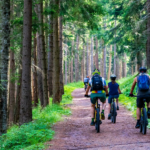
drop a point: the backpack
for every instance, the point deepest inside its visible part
(143, 82)
(97, 83)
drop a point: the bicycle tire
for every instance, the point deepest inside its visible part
(144, 126)
(111, 112)
(114, 113)
(97, 120)
(141, 124)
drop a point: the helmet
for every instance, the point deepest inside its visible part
(143, 69)
(96, 71)
(113, 77)
(87, 76)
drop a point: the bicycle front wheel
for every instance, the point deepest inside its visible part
(97, 120)
(114, 113)
(145, 122)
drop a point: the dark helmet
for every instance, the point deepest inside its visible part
(143, 69)
(113, 77)
(87, 76)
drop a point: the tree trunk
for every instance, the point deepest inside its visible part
(148, 37)
(102, 60)
(66, 73)
(35, 93)
(12, 75)
(76, 60)
(117, 67)
(26, 103)
(96, 55)
(109, 69)
(105, 76)
(83, 64)
(92, 67)
(60, 53)
(124, 66)
(50, 56)
(72, 61)
(87, 59)
(42, 52)
(56, 56)
(139, 61)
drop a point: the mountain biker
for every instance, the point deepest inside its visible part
(143, 82)
(98, 88)
(86, 80)
(114, 92)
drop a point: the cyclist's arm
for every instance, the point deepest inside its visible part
(133, 85)
(87, 90)
(106, 89)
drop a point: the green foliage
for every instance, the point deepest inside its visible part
(32, 136)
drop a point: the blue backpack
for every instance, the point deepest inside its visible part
(143, 82)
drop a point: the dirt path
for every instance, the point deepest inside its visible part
(76, 133)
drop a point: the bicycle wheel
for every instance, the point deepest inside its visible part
(141, 124)
(145, 122)
(97, 120)
(111, 112)
(114, 113)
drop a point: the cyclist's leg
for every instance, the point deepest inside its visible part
(138, 111)
(109, 103)
(93, 101)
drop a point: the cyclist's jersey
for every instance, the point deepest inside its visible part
(99, 91)
(86, 80)
(113, 88)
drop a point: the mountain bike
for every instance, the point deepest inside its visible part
(113, 111)
(144, 118)
(97, 119)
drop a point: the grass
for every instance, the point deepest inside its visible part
(32, 136)
(129, 102)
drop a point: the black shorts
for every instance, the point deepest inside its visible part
(85, 83)
(140, 103)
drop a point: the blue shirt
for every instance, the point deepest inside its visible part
(113, 88)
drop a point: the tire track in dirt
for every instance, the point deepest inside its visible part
(75, 131)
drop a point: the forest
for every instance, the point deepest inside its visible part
(47, 44)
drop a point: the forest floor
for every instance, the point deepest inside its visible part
(76, 133)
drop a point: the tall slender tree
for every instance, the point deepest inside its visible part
(25, 104)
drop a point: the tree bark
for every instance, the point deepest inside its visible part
(39, 11)
(102, 60)
(139, 61)
(76, 60)
(96, 55)
(35, 93)
(25, 104)
(87, 58)
(148, 37)
(110, 57)
(72, 61)
(56, 56)
(124, 66)
(83, 64)
(12, 75)
(92, 67)
(66, 73)
(50, 56)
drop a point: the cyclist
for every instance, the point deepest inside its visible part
(98, 88)
(86, 80)
(114, 92)
(143, 83)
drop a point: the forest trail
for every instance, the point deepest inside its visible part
(76, 133)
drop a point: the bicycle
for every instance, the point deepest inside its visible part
(144, 118)
(97, 119)
(113, 111)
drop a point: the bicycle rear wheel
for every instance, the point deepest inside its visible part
(97, 124)
(114, 113)
(145, 122)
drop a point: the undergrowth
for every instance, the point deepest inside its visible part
(32, 136)
(129, 102)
